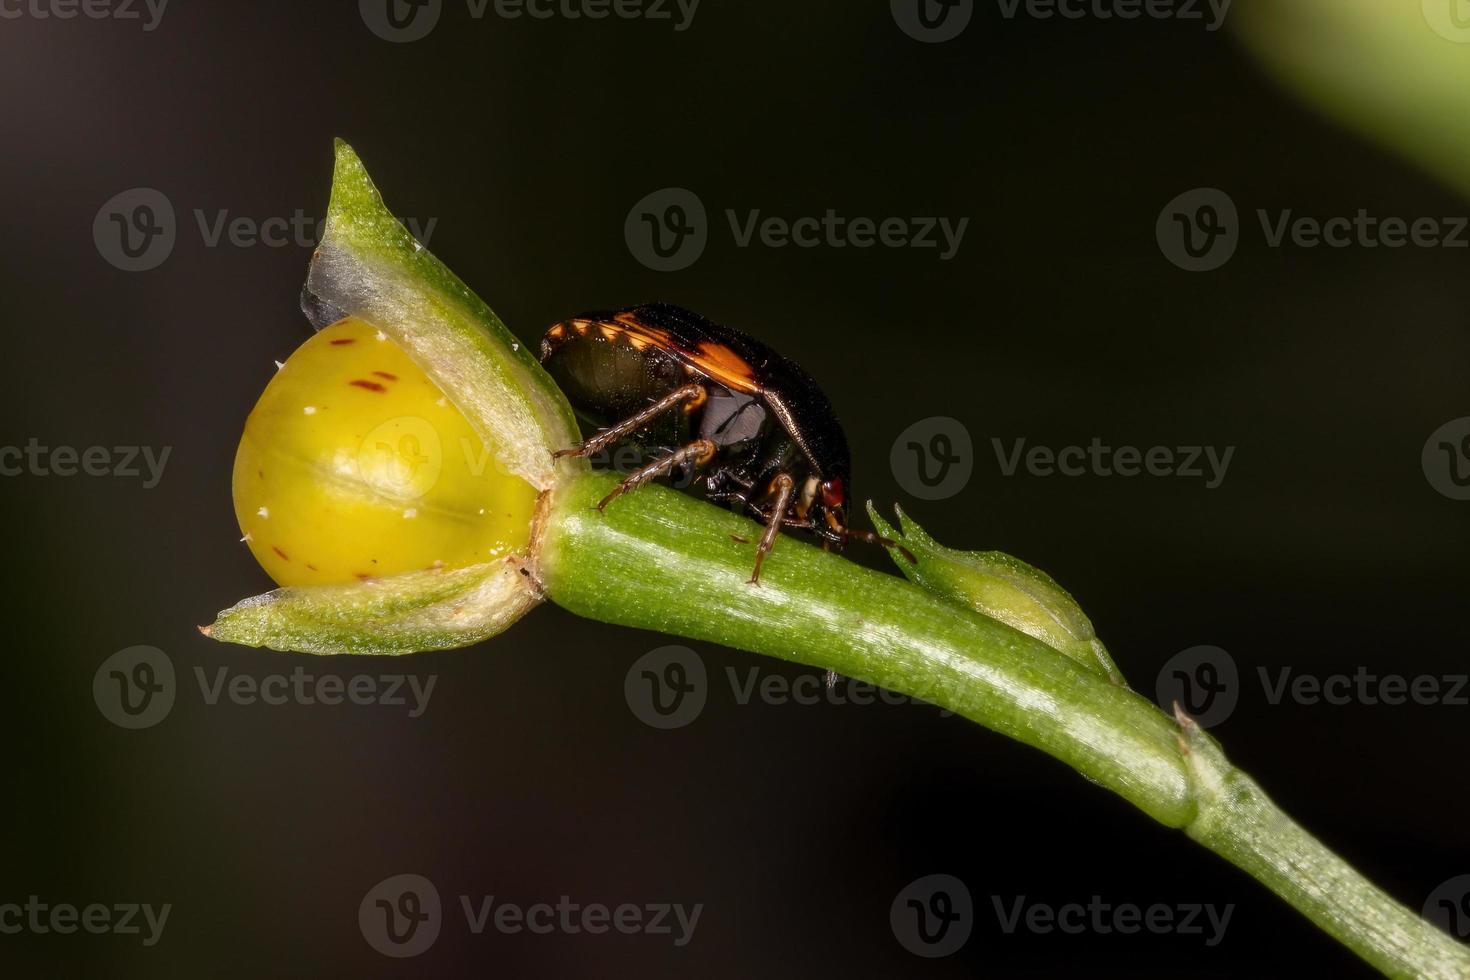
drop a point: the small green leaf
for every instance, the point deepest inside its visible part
(1001, 587)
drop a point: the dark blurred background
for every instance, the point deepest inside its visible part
(1326, 547)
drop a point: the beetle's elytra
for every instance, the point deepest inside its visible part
(692, 393)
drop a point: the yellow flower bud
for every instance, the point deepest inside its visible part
(354, 465)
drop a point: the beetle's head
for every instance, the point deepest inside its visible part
(827, 502)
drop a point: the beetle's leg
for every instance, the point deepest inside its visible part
(700, 452)
(693, 393)
(872, 537)
(783, 487)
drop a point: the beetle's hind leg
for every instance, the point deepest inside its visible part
(698, 453)
(784, 488)
(694, 394)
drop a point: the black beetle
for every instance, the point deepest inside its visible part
(703, 396)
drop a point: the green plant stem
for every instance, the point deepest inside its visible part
(660, 560)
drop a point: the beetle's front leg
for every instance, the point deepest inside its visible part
(699, 452)
(694, 394)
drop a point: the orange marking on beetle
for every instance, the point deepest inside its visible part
(284, 556)
(725, 366)
(369, 385)
(713, 359)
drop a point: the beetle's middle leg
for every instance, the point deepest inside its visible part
(783, 487)
(694, 394)
(698, 453)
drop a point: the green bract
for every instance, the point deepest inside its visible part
(1001, 587)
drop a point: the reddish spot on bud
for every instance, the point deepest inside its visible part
(284, 556)
(369, 385)
(385, 374)
(344, 340)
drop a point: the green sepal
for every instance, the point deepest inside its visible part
(428, 610)
(370, 267)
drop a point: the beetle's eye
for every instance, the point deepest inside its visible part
(833, 493)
